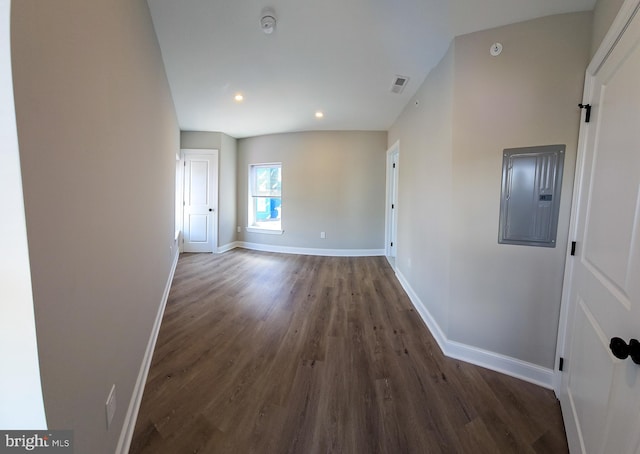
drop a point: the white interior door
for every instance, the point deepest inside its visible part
(599, 393)
(200, 201)
(392, 200)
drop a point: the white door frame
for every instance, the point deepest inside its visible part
(626, 13)
(179, 215)
(391, 214)
(214, 153)
(20, 385)
(599, 392)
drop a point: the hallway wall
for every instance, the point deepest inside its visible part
(498, 299)
(98, 139)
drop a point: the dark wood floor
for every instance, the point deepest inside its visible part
(270, 353)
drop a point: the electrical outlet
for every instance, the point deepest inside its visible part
(111, 405)
(239, 229)
(323, 235)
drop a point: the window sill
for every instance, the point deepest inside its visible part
(266, 231)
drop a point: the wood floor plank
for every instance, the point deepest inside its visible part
(273, 353)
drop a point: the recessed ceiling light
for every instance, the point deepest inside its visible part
(239, 97)
(319, 114)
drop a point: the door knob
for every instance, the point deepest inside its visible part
(622, 350)
(210, 209)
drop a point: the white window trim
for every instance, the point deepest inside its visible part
(267, 231)
(253, 228)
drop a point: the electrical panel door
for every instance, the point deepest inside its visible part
(530, 200)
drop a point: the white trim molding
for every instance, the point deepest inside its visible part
(625, 15)
(227, 247)
(21, 396)
(507, 365)
(264, 231)
(391, 189)
(126, 435)
(310, 251)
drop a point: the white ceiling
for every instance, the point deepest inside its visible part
(337, 56)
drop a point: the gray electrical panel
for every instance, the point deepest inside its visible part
(530, 200)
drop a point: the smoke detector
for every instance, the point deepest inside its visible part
(268, 21)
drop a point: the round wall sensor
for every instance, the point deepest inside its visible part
(496, 49)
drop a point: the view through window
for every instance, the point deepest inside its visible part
(265, 198)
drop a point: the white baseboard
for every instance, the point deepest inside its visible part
(431, 323)
(310, 251)
(507, 365)
(126, 434)
(227, 247)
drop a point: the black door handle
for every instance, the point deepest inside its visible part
(622, 350)
(210, 209)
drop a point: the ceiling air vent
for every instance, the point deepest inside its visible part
(399, 82)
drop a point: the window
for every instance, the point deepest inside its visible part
(265, 197)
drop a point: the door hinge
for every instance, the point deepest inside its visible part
(573, 248)
(394, 165)
(393, 206)
(587, 116)
(392, 244)
(561, 364)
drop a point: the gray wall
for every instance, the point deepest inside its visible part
(21, 404)
(98, 137)
(227, 191)
(604, 13)
(424, 188)
(227, 146)
(506, 298)
(501, 298)
(332, 182)
(201, 139)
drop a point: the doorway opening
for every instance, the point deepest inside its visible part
(391, 210)
(199, 200)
